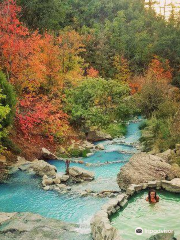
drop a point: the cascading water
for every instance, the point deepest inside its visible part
(23, 192)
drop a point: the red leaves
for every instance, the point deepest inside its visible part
(40, 115)
(91, 72)
(160, 70)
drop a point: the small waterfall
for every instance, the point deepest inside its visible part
(84, 226)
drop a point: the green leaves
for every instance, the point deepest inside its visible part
(96, 101)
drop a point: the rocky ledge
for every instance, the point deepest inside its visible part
(28, 226)
(144, 167)
(53, 180)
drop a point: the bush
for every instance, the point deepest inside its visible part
(9, 100)
(143, 125)
(79, 153)
(9, 145)
(116, 129)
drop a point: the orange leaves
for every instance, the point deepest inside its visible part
(91, 72)
(13, 39)
(160, 70)
(34, 61)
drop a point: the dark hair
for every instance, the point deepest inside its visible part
(149, 194)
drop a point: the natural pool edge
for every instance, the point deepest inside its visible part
(101, 227)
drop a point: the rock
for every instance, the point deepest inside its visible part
(81, 174)
(143, 167)
(165, 155)
(42, 168)
(47, 155)
(62, 186)
(47, 181)
(100, 146)
(5, 216)
(84, 194)
(172, 186)
(101, 228)
(88, 145)
(163, 236)
(95, 136)
(21, 226)
(46, 188)
(63, 177)
(89, 154)
(57, 181)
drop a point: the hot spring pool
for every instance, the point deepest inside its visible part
(163, 215)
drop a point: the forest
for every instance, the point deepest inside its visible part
(70, 66)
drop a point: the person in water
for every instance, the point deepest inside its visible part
(152, 196)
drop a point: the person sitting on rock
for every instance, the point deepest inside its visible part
(152, 196)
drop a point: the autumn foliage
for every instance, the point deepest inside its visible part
(39, 67)
(159, 70)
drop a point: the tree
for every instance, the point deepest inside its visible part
(44, 15)
(95, 102)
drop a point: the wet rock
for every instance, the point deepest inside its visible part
(47, 181)
(47, 155)
(143, 167)
(89, 154)
(80, 174)
(63, 177)
(163, 236)
(57, 181)
(100, 147)
(42, 168)
(46, 188)
(95, 136)
(21, 226)
(172, 186)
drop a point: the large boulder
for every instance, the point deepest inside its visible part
(42, 168)
(47, 155)
(79, 174)
(143, 167)
(95, 136)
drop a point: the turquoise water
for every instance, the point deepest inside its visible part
(23, 192)
(163, 215)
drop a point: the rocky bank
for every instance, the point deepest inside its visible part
(144, 167)
(21, 226)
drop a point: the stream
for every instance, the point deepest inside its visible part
(23, 192)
